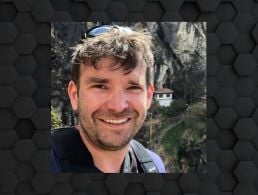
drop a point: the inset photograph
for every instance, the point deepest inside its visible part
(128, 97)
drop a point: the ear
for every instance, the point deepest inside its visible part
(73, 95)
(150, 92)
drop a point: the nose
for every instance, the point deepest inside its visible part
(117, 101)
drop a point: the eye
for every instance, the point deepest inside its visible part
(134, 87)
(99, 86)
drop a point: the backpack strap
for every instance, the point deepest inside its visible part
(143, 157)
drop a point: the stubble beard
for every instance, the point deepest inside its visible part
(97, 137)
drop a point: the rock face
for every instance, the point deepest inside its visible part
(180, 59)
(180, 51)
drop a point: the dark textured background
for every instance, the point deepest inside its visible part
(232, 97)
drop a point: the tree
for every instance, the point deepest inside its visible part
(176, 108)
(55, 119)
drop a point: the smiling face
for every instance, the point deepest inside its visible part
(111, 105)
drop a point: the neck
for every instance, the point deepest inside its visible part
(104, 160)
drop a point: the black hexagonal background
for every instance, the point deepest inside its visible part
(231, 106)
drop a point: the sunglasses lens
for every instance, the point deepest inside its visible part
(99, 30)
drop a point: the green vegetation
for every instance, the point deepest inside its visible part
(188, 136)
(55, 119)
(172, 139)
(176, 108)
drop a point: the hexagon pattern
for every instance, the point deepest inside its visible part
(232, 90)
(226, 33)
(211, 19)
(226, 182)
(24, 23)
(244, 65)
(245, 128)
(226, 12)
(8, 32)
(243, 44)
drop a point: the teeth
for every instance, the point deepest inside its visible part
(116, 121)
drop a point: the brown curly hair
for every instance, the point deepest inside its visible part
(130, 49)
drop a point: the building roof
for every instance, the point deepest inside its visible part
(204, 97)
(163, 90)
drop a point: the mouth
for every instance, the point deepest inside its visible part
(115, 122)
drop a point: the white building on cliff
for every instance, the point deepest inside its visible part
(164, 96)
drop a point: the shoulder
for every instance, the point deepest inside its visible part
(64, 139)
(55, 165)
(157, 160)
(64, 135)
(61, 131)
(145, 155)
(57, 136)
(61, 139)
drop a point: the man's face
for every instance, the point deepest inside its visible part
(111, 105)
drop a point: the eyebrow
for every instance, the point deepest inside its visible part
(133, 82)
(97, 80)
(104, 81)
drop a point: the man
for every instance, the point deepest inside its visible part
(111, 91)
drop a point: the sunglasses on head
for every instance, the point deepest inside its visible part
(99, 30)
